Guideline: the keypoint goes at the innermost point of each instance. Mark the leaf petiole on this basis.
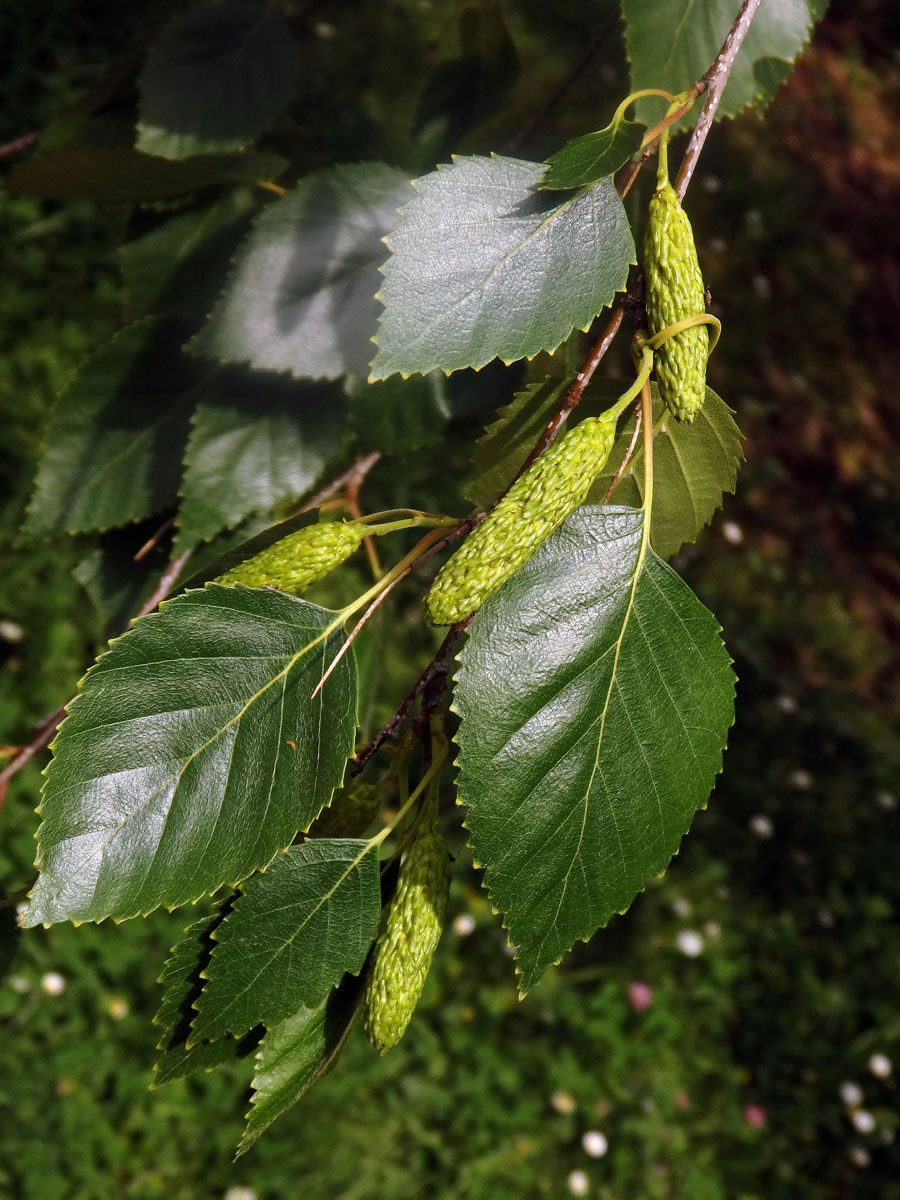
(671, 331)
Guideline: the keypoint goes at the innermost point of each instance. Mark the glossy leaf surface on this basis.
(595, 696)
(192, 754)
(296, 928)
(485, 265)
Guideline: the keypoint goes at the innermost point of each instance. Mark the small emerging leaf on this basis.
(593, 156)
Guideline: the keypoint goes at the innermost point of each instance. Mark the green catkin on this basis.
(300, 559)
(404, 950)
(351, 812)
(554, 485)
(675, 291)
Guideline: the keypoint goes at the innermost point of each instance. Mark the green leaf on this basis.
(180, 266)
(301, 295)
(397, 415)
(297, 927)
(297, 1052)
(257, 439)
(595, 697)
(485, 265)
(193, 754)
(217, 76)
(115, 584)
(117, 173)
(593, 156)
(692, 465)
(117, 433)
(672, 43)
(182, 980)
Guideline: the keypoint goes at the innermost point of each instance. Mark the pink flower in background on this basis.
(755, 1115)
(640, 996)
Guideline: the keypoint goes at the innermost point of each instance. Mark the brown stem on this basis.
(713, 83)
(623, 465)
(25, 142)
(356, 512)
(391, 731)
(153, 541)
(352, 477)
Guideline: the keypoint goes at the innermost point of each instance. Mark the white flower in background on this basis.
(860, 1156)
(19, 984)
(463, 925)
(690, 942)
(595, 1143)
(240, 1193)
(880, 1065)
(863, 1121)
(762, 826)
(11, 631)
(117, 1008)
(563, 1102)
(578, 1183)
(732, 532)
(681, 907)
(887, 801)
(851, 1093)
(800, 779)
(53, 983)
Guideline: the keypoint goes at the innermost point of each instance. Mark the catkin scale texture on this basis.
(411, 933)
(675, 291)
(299, 559)
(554, 485)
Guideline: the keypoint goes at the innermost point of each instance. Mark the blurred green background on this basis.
(737, 1034)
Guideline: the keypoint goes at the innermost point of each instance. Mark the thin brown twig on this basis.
(354, 475)
(154, 539)
(388, 588)
(713, 83)
(627, 459)
(352, 493)
(391, 731)
(25, 142)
